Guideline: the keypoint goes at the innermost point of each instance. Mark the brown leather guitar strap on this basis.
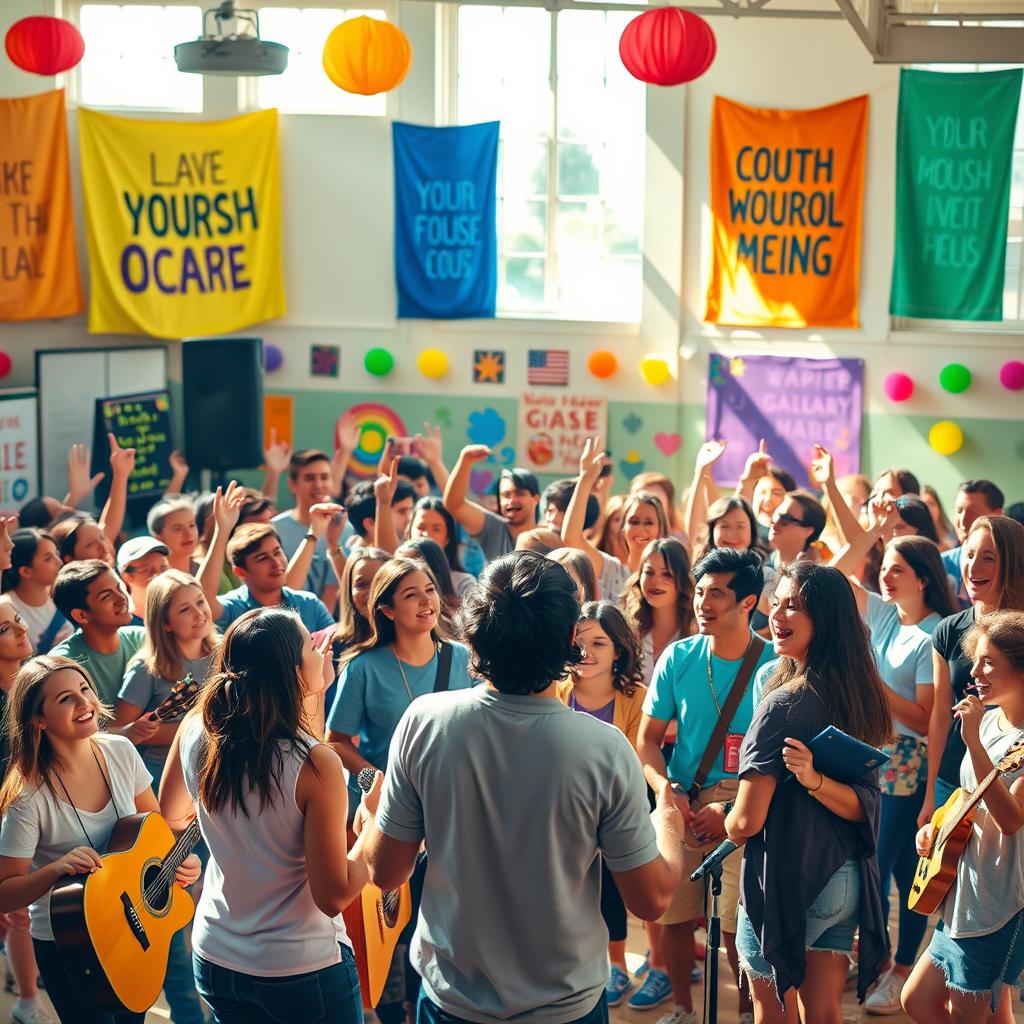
(732, 702)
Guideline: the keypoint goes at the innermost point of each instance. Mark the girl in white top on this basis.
(29, 583)
(66, 788)
(269, 941)
(976, 954)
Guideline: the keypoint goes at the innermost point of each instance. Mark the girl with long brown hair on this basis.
(66, 788)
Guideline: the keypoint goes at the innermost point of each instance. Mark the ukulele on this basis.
(113, 928)
(952, 825)
(182, 698)
(374, 921)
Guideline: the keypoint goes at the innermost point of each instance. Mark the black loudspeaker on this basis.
(223, 392)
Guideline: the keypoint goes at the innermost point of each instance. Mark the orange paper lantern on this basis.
(367, 56)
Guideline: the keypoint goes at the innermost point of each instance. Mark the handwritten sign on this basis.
(142, 422)
(19, 450)
(554, 427)
(278, 420)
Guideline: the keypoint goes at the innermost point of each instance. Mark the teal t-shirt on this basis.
(680, 691)
(107, 670)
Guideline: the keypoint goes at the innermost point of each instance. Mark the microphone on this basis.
(365, 778)
(713, 859)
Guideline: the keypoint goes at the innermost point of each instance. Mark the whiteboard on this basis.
(69, 382)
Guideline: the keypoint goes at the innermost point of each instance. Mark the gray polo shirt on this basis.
(516, 797)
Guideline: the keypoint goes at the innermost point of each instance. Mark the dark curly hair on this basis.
(518, 621)
(626, 674)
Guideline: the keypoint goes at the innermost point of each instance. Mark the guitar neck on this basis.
(183, 846)
(968, 805)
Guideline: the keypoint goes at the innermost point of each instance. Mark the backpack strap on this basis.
(444, 667)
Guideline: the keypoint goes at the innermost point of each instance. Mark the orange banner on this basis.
(38, 262)
(787, 190)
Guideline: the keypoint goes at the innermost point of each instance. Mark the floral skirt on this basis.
(907, 768)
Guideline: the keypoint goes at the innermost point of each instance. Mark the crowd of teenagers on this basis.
(569, 696)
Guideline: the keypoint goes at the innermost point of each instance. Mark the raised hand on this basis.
(227, 507)
(592, 458)
(475, 453)
(122, 460)
(80, 483)
(882, 513)
(320, 516)
(709, 453)
(277, 454)
(179, 466)
(758, 463)
(348, 433)
(386, 484)
(822, 470)
(428, 445)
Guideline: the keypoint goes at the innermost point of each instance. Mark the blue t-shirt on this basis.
(953, 561)
(235, 603)
(290, 532)
(680, 690)
(372, 698)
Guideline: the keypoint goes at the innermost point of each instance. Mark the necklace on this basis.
(67, 796)
(408, 688)
(711, 681)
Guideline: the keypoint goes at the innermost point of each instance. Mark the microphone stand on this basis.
(712, 947)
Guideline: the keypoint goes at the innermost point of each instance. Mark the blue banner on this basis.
(446, 238)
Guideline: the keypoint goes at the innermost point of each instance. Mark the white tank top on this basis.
(256, 914)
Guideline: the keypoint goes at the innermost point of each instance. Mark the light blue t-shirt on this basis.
(680, 690)
(903, 654)
(371, 699)
(291, 531)
(953, 561)
(235, 603)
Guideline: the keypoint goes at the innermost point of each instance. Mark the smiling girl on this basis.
(977, 950)
(29, 583)
(67, 786)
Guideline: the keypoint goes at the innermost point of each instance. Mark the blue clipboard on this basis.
(843, 758)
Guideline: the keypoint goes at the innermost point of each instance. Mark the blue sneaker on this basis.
(646, 964)
(696, 974)
(617, 985)
(655, 990)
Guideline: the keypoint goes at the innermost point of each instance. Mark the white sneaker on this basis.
(677, 1015)
(746, 1018)
(886, 997)
(30, 1011)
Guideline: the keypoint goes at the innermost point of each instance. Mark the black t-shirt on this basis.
(802, 844)
(946, 639)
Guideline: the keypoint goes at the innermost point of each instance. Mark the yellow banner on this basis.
(183, 221)
(787, 191)
(38, 262)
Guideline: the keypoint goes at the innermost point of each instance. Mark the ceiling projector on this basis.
(237, 52)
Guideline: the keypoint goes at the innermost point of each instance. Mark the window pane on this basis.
(578, 174)
(521, 286)
(524, 228)
(129, 57)
(305, 88)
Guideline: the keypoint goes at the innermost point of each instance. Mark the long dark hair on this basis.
(451, 549)
(922, 555)
(626, 674)
(840, 666)
(431, 554)
(352, 627)
(721, 508)
(639, 613)
(26, 544)
(251, 710)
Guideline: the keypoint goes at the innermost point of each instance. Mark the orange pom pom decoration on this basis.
(602, 363)
(367, 56)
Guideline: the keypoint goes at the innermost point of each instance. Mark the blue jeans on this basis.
(328, 996)
(61, 990)
(428, 1012)
(897, 857)
(943, 791)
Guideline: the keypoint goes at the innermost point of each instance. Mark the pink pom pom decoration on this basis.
(1011, 375)
(899, 386)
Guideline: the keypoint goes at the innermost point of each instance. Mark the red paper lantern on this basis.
(667, 46)
(44, 46)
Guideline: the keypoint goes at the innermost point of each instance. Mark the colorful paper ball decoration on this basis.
(44, 46)
(602, 363)
(667, 46)
(433, 363)
(379, 362)
(954, 378)
(273, 358)
(899, 386)
(1011, 375)
(946, 437)
(5, 364)
(367, 56)
(655, 370)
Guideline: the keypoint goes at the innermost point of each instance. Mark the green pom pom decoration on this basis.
(379, 361)
(955, 378)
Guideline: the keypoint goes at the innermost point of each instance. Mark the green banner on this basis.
(953, 162)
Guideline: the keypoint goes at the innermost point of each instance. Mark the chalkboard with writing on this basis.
(142, 422)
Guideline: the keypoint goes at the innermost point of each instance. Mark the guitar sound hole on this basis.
(157, 899)
(391, 903)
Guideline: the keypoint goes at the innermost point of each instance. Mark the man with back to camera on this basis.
(518, 795)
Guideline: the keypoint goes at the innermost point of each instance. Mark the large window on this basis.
(129, 57)
(305, 88)
(571, 169)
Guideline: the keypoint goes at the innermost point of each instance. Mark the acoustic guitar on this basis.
(374, 921)
(952, 825)
(183, 697)
(113, 928)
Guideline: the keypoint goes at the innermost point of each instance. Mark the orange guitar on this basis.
(113, 928)
(374, 920)
(952, 824)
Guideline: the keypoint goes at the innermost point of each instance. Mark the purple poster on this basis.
(792, 403)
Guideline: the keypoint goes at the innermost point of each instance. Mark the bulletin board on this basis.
(69, 382)
(19, 459)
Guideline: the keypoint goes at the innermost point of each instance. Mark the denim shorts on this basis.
(982, 964)
(831, 922)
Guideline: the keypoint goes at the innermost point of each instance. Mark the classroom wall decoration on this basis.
(786, 200)
(19, 449)
(446, 239)
(38, 261)
(377, 423)
(142, 422)
(43, 45)
(183, 222)
(954, 150)
(791, 403)
(324, 360)
(553, 427)
(367, 55)
(488, 366)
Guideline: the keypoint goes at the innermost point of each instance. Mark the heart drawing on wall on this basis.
(667, 444)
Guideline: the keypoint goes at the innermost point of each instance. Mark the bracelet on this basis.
(818, 786)
(310, 536)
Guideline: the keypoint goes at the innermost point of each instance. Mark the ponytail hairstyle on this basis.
(922, 555)
(626, 674)
(251, 707)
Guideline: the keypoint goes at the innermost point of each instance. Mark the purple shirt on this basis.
(605, 714)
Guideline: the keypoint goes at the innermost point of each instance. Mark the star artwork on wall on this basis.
(324, 360)
(488, 367)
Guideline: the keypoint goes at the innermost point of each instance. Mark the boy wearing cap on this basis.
(140, 560)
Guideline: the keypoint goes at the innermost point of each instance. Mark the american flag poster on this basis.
(553, 426)
(547, 366)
